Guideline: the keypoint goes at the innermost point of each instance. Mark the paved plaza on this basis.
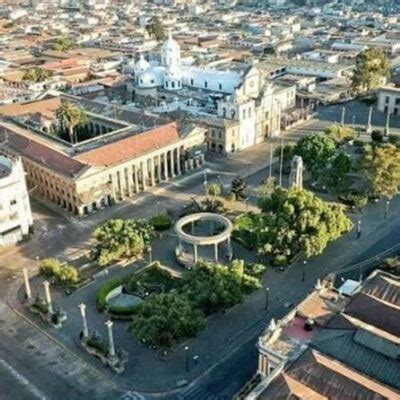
(227, 337)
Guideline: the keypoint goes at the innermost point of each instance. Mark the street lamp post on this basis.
(158, 208)
(343, 116)
(271, 153)
(358, 229)
(150, 250)
(281, 162)
(387, 205)
(303, 276)
(267, 299)
(187, 358)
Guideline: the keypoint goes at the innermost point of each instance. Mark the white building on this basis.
(242, 107)
(173, 75)
(389, 100)
(15, 210)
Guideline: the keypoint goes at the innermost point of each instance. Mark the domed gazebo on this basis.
(219, 228)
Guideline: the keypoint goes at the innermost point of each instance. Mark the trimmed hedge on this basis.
(104, 290)
(124, 311)
(161, 222)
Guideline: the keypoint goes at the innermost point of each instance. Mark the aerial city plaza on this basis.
(199, 199)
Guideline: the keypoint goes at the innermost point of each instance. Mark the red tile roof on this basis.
(131, 147)
(42, 154)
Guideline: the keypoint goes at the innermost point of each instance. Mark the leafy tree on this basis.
(62, 43)
(167, 318)
(119, 238)
(294, 220)
(71, 116)
(212, 287)
(341, 165)
(339, 133)
(381, 165)
(371, 66)
(287, 154)
(206, 205)
(36, 74)
(214, 190)
(238, 188)
(317, 150)
(63, 274)
(377, 136)
(155, 28)
(161, 222)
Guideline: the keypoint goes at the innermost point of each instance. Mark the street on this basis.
(34, 366)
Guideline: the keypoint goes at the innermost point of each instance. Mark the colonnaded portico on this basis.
(219, 227)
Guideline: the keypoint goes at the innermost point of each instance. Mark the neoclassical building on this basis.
(124, 152)
(239, 108)
(15, 210)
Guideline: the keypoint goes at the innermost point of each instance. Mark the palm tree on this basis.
(69, 115)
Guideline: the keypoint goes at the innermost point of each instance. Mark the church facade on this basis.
(239, 108)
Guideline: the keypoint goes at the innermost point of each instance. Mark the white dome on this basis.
(148, 80)
(142, 65)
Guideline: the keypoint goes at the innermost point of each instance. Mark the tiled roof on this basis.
(340, 344)
(43, 155)
(131, 147)
(316, 376)
(375, 312)
(43, 106)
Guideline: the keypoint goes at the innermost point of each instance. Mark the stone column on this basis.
(387, 126)
(128, 178)
(153, 171)
(159, 168)
(216, 252)
(122, 182)
(195, 253)
(172, 164)
(111, 349)
(85, 331)
(165, 166)
(143, 168)
(46, 285)
(136, 178)
(27, 284)
(178, 161)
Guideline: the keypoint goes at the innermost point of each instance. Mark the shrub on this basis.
(280, 260)
(255, 269)
(98, 344)
(377, 136)
(161, 222)
(102, 293)
(358, 143)
(124, 311)
(50, 267)
(230, 197)
(64, 275)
